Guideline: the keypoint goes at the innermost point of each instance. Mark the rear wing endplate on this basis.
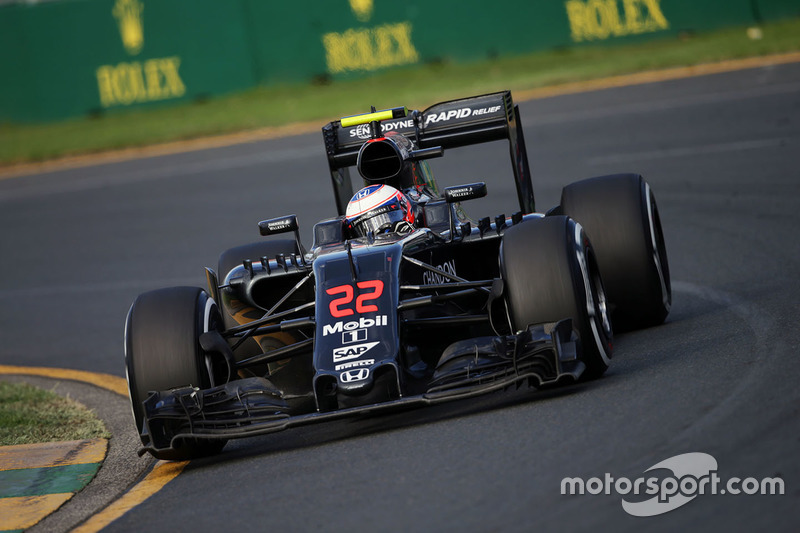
(451, 124)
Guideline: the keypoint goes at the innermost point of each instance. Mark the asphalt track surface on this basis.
(719, 377)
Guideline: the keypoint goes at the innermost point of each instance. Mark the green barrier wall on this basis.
(777, 9)
(74, 57)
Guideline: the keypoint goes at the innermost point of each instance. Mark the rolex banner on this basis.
(65, 58)
(75, 57)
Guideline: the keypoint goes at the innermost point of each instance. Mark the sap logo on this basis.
(433, 278)
(355, 364)
(352, 352)
(358, 335)
(354, 375)
(361, 323)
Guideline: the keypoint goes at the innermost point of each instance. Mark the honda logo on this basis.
(358, 374)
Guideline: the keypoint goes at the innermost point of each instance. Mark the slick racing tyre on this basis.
(550, 273)
(620, 215)
(162, 352)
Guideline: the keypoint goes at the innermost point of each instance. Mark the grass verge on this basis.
(415, 87)
(30, 415)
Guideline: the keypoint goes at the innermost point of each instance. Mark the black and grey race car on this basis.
(360, 322)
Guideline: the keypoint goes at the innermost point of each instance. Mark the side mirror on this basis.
(460, 193)
(274, 226)
(285, 224)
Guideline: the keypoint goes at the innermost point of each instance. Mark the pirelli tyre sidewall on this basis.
(162, 352)
(550, 273)
(620, 215)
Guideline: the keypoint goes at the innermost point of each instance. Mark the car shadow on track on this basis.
(360, 426)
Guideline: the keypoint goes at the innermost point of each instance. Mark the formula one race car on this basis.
(402, 300)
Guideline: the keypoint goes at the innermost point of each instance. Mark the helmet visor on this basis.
(381, 220)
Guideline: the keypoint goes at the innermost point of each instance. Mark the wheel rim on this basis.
(596, 302)
(209, 320)
(657, 243)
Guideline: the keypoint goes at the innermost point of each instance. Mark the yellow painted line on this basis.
(26, 511)
(160, 475)
(105, 381)
(48, 454)
(219, 141)
(163, 473)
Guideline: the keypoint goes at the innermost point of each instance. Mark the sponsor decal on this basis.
(361, 323)
(129, 18)
(355, 364)
(362, 9)
(362, 131)
(350, 376)
(464, 112)
(597, 20)
(349, 337)
(134, 82)
(368, 49)
(459, 193)
(434, 278)
(278, 225)
(366, 191)
(352, 352)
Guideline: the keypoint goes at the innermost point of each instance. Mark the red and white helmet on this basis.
(379, 209)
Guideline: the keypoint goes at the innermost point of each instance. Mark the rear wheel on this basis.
(620, 215)
(162, 352)
(550, 273)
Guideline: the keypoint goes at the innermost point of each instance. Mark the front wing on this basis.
(541, 356)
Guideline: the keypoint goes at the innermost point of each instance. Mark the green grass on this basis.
(29, 415)
(414, 87)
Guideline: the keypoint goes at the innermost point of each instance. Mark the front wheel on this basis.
(550, 273)
(162, 352)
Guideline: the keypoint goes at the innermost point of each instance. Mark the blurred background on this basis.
(89, 75)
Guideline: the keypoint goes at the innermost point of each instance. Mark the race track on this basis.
(720, 377)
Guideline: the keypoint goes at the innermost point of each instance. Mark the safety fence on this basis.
(74, 57)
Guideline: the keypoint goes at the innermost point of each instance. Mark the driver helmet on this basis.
(379, 209)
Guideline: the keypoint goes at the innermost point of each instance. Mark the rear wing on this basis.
(456, 123)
